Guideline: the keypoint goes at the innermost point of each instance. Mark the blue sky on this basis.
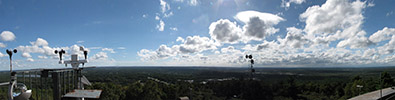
(279, 33)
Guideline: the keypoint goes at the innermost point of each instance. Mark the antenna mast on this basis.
(252, 70)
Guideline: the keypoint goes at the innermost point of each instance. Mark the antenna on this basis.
(249, 57)
(10, 52)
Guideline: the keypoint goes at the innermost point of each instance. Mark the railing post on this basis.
(56, 86)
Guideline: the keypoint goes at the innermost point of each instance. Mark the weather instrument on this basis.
(64, 83)
(16, 91)
(80, 92)
(74, 62)
(252, 70)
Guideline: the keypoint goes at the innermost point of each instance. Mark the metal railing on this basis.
(50, 84)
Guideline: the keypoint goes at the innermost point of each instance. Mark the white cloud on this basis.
(40, 46)
(80, 41)
(193, 2)
(381, 35)
(7, 36)
(167, 15)
(294, 38)
(388, 48)
(162, 52)
(287, 4)
(180, 39)
(99, 56)
(121, 48)
(93, 48)
(145, 54)
(145, 15)
(354, 42)
(174, 28)
(164, 6)
(190, 2)
(108, 49)
(225, 31)
(157, 18)
(2, 45)
(371, 4)
(42, 57)
(2, 55)
(26, 55)
(336, 20)
(192, 44)
(40, 42)
(160, 26)
(30, 59)
(258, 25)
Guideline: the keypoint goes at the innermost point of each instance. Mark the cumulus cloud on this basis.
(40, 42)
(225, 31)
(7, 36)
(30, 59)
(180, 39)
(287, 4)
(161, 26)
(388, 48)
(194, 44)
(294, 38)
(258, 25)
(99, 56)
(26, 55)
(336, 20)
(2, 45)
(40, 46)
(381, 35)
(191, 44)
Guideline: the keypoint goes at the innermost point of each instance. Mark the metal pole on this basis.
(30, 80)
(41, 86)
(10, 65)
(56, 86)
(381, 87)
(35, 81)
(23, 77)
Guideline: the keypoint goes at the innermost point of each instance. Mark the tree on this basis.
(386, 80)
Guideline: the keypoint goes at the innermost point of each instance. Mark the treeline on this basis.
(320, 84)
(288, 89)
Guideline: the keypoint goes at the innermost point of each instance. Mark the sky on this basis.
(278, 33)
